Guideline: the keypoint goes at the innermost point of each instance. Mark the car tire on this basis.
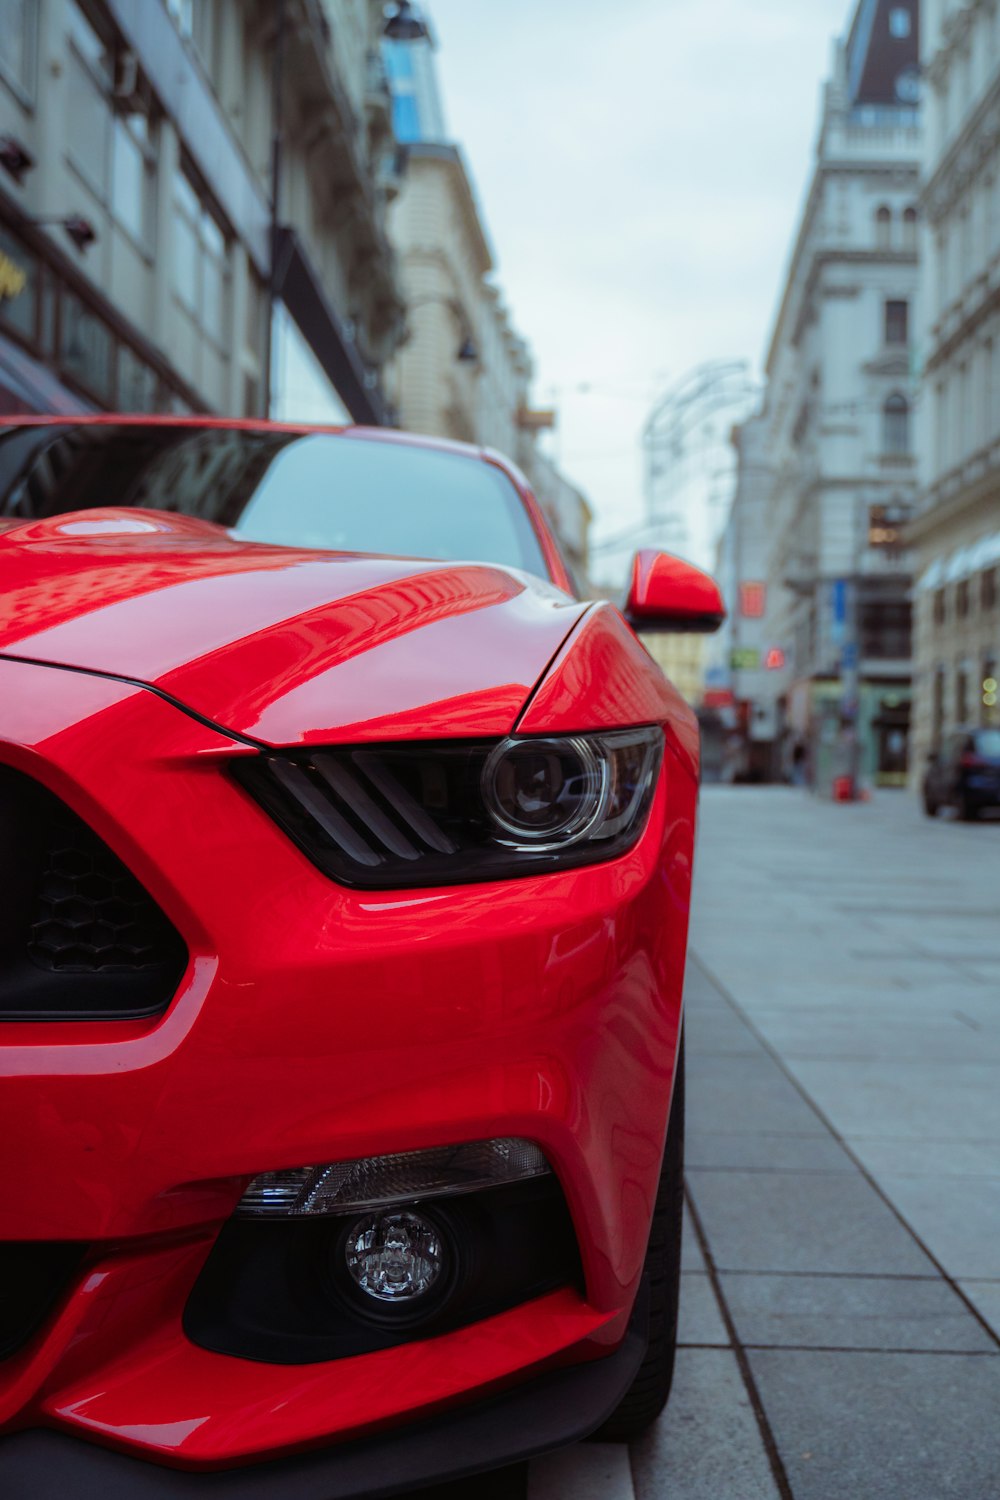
(647, 1396)
(968, 810)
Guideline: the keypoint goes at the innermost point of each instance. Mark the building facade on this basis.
(168, 168)
(956, 532)
(840, 474)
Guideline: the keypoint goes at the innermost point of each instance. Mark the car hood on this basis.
(284, 645)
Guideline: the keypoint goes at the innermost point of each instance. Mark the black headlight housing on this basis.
(381, 817)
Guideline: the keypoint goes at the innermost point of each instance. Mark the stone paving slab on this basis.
(764, 1152)
(957, 1218)
(590, 1471)
(985, 1297)
(707, 1446)
(746, 1094)
(700, 1320)
(883, 1426)
(931, 1099)
(797, 1221)
(844, 1312)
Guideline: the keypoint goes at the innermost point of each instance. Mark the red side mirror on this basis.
(667, 593)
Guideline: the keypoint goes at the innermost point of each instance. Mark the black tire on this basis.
(648, 1393)
(930, 806)
(968, 810)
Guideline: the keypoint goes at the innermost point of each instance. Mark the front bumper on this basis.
(549, 1412)
(316, 1024)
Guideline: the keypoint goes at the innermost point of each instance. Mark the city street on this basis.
(840, 1318)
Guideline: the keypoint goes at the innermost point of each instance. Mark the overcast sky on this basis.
(640, 166)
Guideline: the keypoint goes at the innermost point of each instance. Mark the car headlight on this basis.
(418, 814)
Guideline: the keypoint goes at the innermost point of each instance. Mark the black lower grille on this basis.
(32, 1276)
(80, 938)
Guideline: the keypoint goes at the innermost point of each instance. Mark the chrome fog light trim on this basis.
(403, 1177)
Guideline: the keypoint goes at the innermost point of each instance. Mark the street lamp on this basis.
(404, 23)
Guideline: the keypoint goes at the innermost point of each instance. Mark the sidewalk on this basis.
(840, 1307)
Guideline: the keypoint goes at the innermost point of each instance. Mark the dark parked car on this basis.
(964, 773)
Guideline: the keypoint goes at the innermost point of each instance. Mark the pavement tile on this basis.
(796, 1221)
(718, 1030)
(587, 1471)
(700, 1320)
(985, 1297)
(957, 1218)
(883, 1426)
(928, 1158)
(932, 1100)
(893, 1037)
(746, 1094)
(691, 1256)
(769, 1153)
(707, 1445)
(846, 1312)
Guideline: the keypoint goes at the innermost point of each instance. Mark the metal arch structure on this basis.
(686, 439)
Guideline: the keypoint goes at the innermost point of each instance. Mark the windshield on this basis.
(322, 490)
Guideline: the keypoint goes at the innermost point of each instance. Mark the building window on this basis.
(909, 229)
(962, 599)
(897, 322)
(896, 426)
(937, 708)
(988, 589)
(883, 227)
(940, 607)
(113, 142)
(900, 22)
(86, 348)
(201, 260)
(962, 694)
(18, 44)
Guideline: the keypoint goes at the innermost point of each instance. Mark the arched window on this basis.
(909, 228)
(883, 226)
(896, 425)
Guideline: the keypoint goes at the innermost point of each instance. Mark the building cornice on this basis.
(962, 161)
(833, 257)
(815, 260)
(453, 161)
(957, 491)
(963, 331)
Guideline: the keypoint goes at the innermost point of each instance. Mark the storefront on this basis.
(63, 347)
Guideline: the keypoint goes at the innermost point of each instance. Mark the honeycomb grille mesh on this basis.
(80, 937)
(92, 914)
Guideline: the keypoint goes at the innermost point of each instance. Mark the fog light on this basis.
(395, 1257)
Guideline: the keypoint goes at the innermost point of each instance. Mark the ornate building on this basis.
(956, 534)
(838, 430)
(167, 168)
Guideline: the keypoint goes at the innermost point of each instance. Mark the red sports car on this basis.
(346, 860)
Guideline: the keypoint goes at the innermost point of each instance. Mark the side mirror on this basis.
(667, 593)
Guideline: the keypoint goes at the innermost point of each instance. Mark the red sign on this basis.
(753, 600)
(775, 659)
(718, 698)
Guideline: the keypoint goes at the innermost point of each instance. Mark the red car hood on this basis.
(285, 645)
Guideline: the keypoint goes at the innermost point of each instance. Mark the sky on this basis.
(640, 167)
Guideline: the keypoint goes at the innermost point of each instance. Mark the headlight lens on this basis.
(393, 816)
(544, 793)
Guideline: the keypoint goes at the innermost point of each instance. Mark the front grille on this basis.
(32, 1275)
(80, 938)
(91, 913)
